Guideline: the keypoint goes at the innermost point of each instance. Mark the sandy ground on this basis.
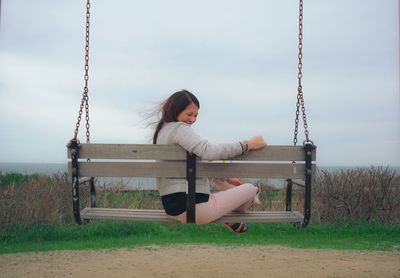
(201, 261)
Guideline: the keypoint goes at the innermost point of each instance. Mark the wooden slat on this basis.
(178, 169)
(160, 216)
(125, 214)
(263, 217)
(132, 169)
(277, 153)
(251, 170)
(131, 151)
(175, 152)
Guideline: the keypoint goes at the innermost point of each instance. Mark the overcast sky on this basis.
(238, 57)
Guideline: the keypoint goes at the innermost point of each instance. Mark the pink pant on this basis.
(238, 198)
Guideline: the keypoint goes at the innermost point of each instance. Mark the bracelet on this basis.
(245, 147)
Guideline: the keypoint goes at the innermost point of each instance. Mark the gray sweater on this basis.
(183, 135)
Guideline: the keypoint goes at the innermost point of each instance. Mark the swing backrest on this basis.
(145, 160)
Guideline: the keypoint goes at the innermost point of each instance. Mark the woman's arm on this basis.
(192, 142)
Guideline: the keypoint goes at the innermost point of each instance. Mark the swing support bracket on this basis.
(74, 147)
(191, 191)
(308, 147)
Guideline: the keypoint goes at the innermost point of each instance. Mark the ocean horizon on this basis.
(133, 183)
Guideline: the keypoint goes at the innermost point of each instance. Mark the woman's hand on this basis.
(256, 142)
(221, 184)
(235, 181)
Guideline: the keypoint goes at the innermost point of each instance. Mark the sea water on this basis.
(61, 168)
(128, 183)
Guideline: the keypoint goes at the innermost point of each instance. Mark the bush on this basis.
(43, 199)
(363, 194)
(35, 199)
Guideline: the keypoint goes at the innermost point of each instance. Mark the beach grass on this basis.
(9, 179)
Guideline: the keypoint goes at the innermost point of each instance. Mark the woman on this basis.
(178, 113)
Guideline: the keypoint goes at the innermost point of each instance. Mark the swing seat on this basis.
(160, 216)
(170, 161)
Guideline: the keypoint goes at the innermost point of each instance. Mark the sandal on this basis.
(238, 227)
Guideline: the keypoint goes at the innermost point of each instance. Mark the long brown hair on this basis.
(172, 107)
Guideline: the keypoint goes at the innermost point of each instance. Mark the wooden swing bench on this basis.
(87, 161)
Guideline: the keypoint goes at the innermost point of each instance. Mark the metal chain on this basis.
(300, 98)
(85, 95)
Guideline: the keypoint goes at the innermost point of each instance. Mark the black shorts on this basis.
(175, 203)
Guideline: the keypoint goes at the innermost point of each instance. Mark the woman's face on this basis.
(189, 115)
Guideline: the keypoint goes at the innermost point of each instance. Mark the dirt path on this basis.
(201, 261)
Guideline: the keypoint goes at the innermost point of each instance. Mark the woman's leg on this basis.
(225, 185)
(221, 203)
(245, 206)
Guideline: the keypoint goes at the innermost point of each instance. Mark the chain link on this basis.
(85, 95)
(300, 97)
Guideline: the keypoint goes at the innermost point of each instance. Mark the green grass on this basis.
(116, 234)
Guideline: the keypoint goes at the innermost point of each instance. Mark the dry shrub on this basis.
(48, 199)
(41, 199)
(365, 194)
(273, 198)
(119, 196)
